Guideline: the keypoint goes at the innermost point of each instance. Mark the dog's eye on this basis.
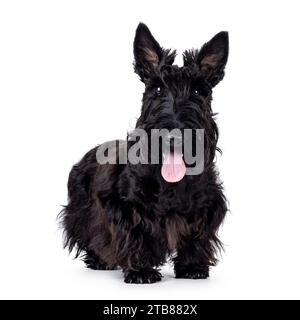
(195, 92)
(158, 90)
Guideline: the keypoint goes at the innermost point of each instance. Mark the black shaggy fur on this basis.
(128, 216)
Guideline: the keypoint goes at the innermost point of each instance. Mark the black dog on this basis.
(132, 215)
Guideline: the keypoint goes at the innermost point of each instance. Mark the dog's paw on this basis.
(192, 273)
(95, 265)
(142, 276)
(93, 262)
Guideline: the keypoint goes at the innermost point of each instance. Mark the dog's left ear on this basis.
(148, 54)
(213, 56)
(211, 59)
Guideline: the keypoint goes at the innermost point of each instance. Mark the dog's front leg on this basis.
(143, 258)
(193, 258)
(196, 251)
(139, 251)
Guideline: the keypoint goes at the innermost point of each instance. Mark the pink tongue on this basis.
(173, 167)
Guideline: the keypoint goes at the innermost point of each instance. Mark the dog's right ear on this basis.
(148, 54)
(147, 51)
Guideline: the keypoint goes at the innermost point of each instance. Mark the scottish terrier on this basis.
(138, 215)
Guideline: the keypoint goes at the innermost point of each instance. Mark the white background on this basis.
(67, 84)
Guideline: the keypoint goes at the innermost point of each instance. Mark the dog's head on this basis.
(179, 97)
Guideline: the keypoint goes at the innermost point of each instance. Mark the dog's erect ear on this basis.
(211, 59)
(213, 56)
(148, 54)
(147, 51)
